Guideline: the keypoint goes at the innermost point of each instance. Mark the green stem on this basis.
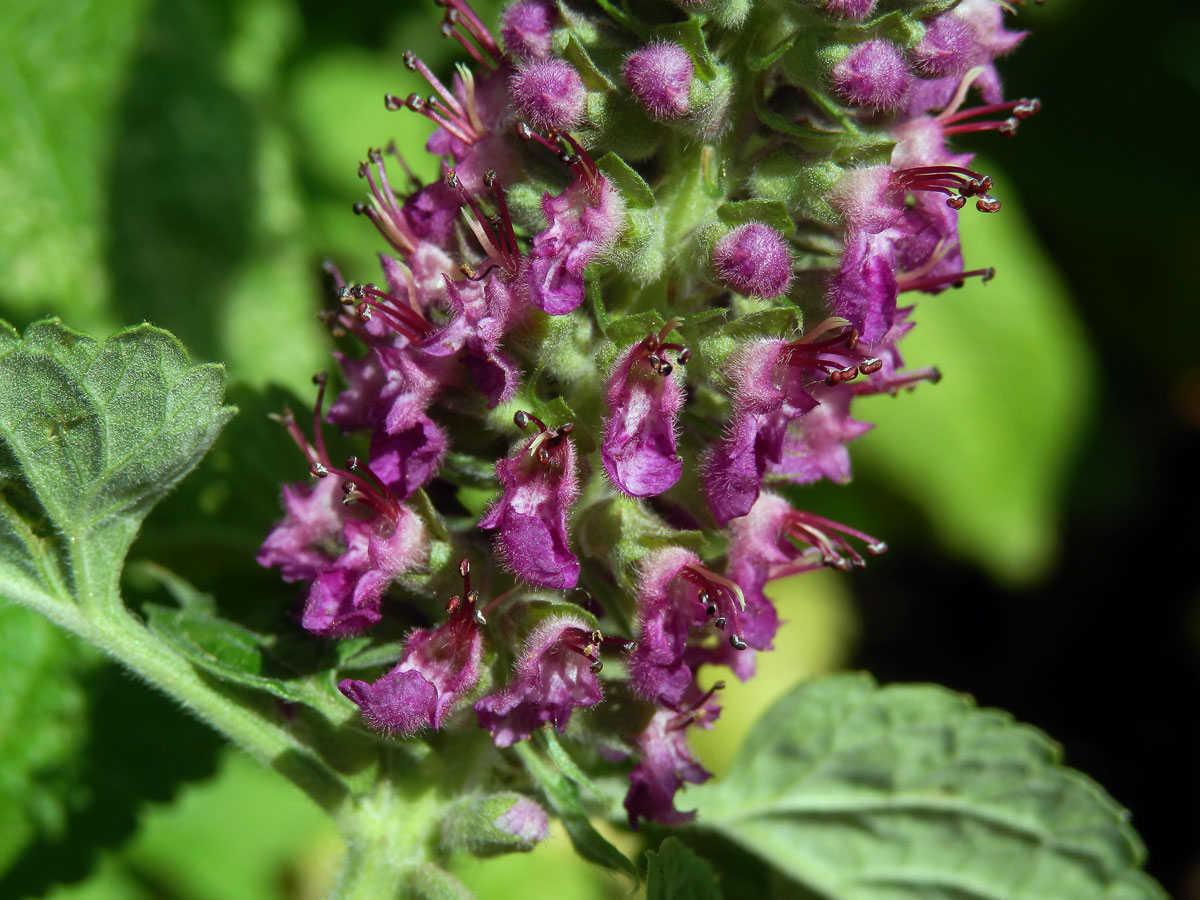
(390, 836)
(127, 641)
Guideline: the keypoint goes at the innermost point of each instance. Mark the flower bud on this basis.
(527, 28)
(873, 75)
(660, 77)
(549, 93)
(753, 259)
(492, 824)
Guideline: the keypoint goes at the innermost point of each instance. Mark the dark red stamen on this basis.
(893, 384)
(653, 351)
(694, 711)
(462, 23)
(368, 490)
(495, 233)
(827, 537)
(400, 317)
(543, 444)
(722, 600)
(806, 353)
(938, 282)
(383, 209)
(956, 182)
(955, 123)
(465, 608)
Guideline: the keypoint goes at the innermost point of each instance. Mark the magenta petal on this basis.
(408, 459)
(552, 678)
(638, 448)
(530, 516)
(398, 703)
(536, 550)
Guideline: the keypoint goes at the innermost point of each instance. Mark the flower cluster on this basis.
(607, 312)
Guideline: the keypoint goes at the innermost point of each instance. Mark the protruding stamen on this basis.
(464, 607)
(494, 233)
(1019, 110)
(828, 538)
(956, 182)
(938, 282)
(462, 24)
(823, 355)
(695, 711)
(544, 444)
(403, 318)
(442, 108)
(722, 599)
(653, 351)
(382, 208)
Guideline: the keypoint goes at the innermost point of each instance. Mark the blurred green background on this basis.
(192, 163)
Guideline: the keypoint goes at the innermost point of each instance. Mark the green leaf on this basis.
(232, 653)
(910, 791)
(690, 35)
(62, 76)
(985, 452)
(628, 181)
(43, 728)
(772, 212)
(677, 873)
(562, 794)
(92, 436)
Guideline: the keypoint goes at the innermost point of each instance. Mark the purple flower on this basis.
(766, 397)
(527, 28)
(555, 673)
(585, 220)
(815, 445)
(548, 93)
(891, 245)
(676, 595)
(345, 597)
(666, 763)
(753, 259)
(643, 400)
(312, 522)
(538, 485)
(873, 75)
(774, 386)
(659, 75)
(388, 392)
(438, 666)
(349, 556)
(961, 44)
(482, 314)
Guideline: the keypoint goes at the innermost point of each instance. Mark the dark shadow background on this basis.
(1105, 654)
